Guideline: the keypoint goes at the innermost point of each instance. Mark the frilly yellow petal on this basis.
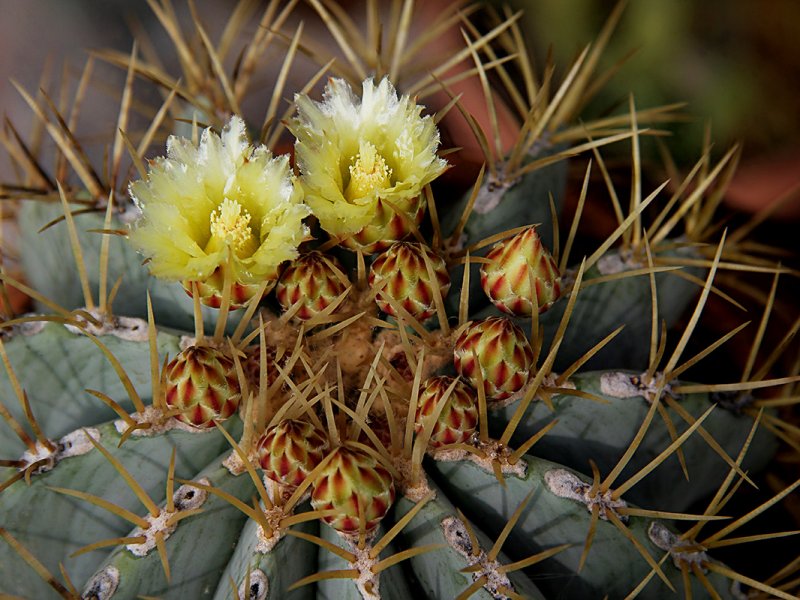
(180, 229)
(332, 133)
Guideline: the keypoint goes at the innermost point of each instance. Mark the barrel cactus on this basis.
(332, 375)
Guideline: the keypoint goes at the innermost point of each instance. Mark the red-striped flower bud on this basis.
(289, 451)
(522, 275)
(201, 382)
(458, 419)
(503, 354)
(311, 281)
(403, 273)
(357, 486)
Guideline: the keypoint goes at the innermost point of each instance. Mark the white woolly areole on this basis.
(566, 484)
(130, 213)
(31, 328)
(683, 552)
(103, 585)
(493, 451)
(125, 328)
(624, 385)
(256, 588)
(26, 329)
(158, 423)
(490, 194)
(367, 582)
(75, 443)
(279, 496)
(448, 455)
(266, 542)
(737, 591)
(618, 385)
(234, 463)
(457, 536)
(649, 386)
(618, 262)
(417, 490)
(459, 244)
(185, 498)
(42, 454)
(275, 515)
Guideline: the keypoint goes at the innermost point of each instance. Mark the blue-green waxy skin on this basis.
(394, 584)
(613, 568)
(198, 549)
(52, 525)
(440, 572)
(55, 368)
(289, 561)
(587, 430)
(602, 308)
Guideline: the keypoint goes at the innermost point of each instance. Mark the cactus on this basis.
(337, 378)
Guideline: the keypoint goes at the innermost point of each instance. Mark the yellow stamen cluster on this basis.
(369, 174)
(230, 225)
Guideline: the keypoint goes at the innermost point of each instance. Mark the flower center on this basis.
(368, 174)
(230, 225)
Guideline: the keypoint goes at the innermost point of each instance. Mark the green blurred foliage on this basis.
(736, 63)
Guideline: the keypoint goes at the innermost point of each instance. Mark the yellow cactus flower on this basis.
(221, 202)
(360, 159)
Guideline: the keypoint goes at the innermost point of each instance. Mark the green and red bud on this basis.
(521, 275)
(403, 274)
(500, 350)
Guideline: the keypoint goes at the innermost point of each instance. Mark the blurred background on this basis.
(736, 64)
